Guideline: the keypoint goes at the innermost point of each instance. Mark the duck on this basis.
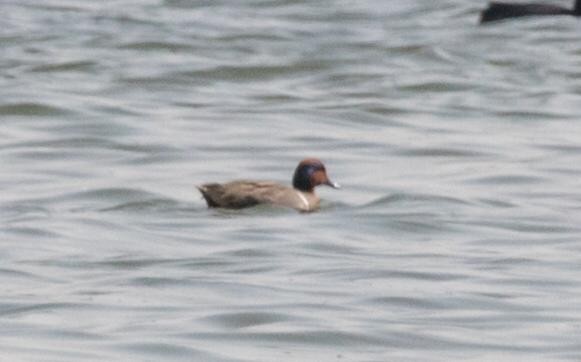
(501, 11)
(240, 194)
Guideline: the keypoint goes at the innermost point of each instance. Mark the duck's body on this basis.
(500, 11)
(243, 193)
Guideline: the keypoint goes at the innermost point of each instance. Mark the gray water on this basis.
(456, 236)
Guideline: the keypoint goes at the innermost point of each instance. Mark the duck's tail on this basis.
(209, 192)
(499, 11)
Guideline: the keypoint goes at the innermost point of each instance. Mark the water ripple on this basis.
(455, 236)
(32, 109)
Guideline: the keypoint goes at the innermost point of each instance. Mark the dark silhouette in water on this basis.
(500, 11)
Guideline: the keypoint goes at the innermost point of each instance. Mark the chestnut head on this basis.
(311, 173)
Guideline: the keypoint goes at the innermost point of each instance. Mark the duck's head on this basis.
(310, 173)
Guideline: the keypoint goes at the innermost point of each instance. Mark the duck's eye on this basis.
(312, 169)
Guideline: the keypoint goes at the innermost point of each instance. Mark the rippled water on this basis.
(456, 235)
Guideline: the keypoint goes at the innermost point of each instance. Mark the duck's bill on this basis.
(333, 184)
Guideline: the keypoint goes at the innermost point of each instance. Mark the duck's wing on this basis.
(241, 194)
(500, 11)
(266, 192)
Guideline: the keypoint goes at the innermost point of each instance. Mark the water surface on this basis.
(455, 236)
